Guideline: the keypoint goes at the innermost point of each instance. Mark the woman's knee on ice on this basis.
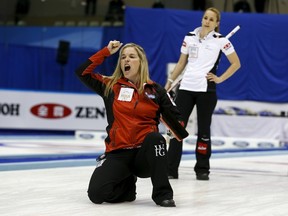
(95, 198)
(99, 194)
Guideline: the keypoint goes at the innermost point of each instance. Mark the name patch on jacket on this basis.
(125, 94)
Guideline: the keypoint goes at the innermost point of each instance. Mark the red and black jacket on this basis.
(128, 122)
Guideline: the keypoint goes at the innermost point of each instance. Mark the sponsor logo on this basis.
(9, 109)
(184, 44)
(190, 141)
(218, 142)
(265, 145)
(241, 144)
(86, 136)
(202, 148)
(151, 96)
(50, 111)
(227, 46)
(90, 112)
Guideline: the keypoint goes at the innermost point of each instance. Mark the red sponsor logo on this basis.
(184, 44)
(202, 148)
(50, 111)
(227, 46)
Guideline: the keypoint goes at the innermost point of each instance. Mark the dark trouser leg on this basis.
(113, 181)
(174, 157)
(151, 160)
(185, 103)
(206, 103)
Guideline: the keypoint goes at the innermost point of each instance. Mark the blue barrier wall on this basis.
(28, 54)
(262, 45)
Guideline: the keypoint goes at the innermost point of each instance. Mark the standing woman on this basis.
(200, 54)
(134, 146)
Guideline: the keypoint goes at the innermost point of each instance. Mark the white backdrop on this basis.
(50, 110)
(66, 111)
(247, 119)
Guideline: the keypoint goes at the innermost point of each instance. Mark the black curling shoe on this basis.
(202, 176)
(168, 203)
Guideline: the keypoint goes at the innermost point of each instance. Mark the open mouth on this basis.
(127, 67)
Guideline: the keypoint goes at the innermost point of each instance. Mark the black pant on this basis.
(205, 103)
(114, 181)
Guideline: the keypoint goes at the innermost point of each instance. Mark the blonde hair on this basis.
(143, 69)
(218, 16)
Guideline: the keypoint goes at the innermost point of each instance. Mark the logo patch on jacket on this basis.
(151, 96)
(150, 93)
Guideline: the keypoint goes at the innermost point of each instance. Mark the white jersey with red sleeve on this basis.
(203, 57)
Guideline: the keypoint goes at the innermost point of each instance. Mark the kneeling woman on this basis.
(134, 146)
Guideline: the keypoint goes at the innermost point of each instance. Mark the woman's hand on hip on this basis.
(213, 78)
